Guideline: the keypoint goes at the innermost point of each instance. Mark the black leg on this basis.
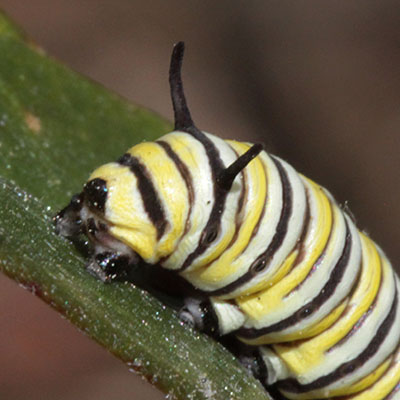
(108, 266)
(201, 315)
(68, 221)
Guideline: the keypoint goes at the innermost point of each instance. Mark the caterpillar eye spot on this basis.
(305, 312)
(311, 301)
(211, 236)
(259, 266)
(347, 369)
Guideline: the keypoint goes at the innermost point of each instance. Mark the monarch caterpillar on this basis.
(273, 259)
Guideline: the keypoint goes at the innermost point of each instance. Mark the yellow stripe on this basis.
(183, 145)
(349, 390)
(171, 189)
(226, 265)
(383, 386)
(283, 270)
(319, 326)
(139, 241)
(311, 353)
(278, 337)
(128, 221)
(365, 382)
(260, 304)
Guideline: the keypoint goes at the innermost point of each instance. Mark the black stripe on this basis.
(363, 317)
(291, 385)
(263, 259)
(212, 228)
(151, 200)
(184, 123)
(303, 251)
(262, 213)
(183, 170)
(187, 177)
(281, 229)
(312, 306)
(212, 153)
(396, 386)
(239, 209)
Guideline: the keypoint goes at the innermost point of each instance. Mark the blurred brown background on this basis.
(318, 82)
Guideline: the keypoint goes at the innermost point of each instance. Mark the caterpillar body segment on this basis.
(271, 256)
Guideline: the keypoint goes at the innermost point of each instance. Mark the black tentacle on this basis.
(227, 176)
(183, 119)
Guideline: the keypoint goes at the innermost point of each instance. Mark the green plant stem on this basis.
(55, 127)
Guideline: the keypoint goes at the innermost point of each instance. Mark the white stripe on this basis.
(265, 234)
(203, 198)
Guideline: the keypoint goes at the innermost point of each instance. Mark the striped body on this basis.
(273, 258)
(286, 269)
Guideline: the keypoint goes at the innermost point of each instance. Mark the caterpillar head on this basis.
(125, 207)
